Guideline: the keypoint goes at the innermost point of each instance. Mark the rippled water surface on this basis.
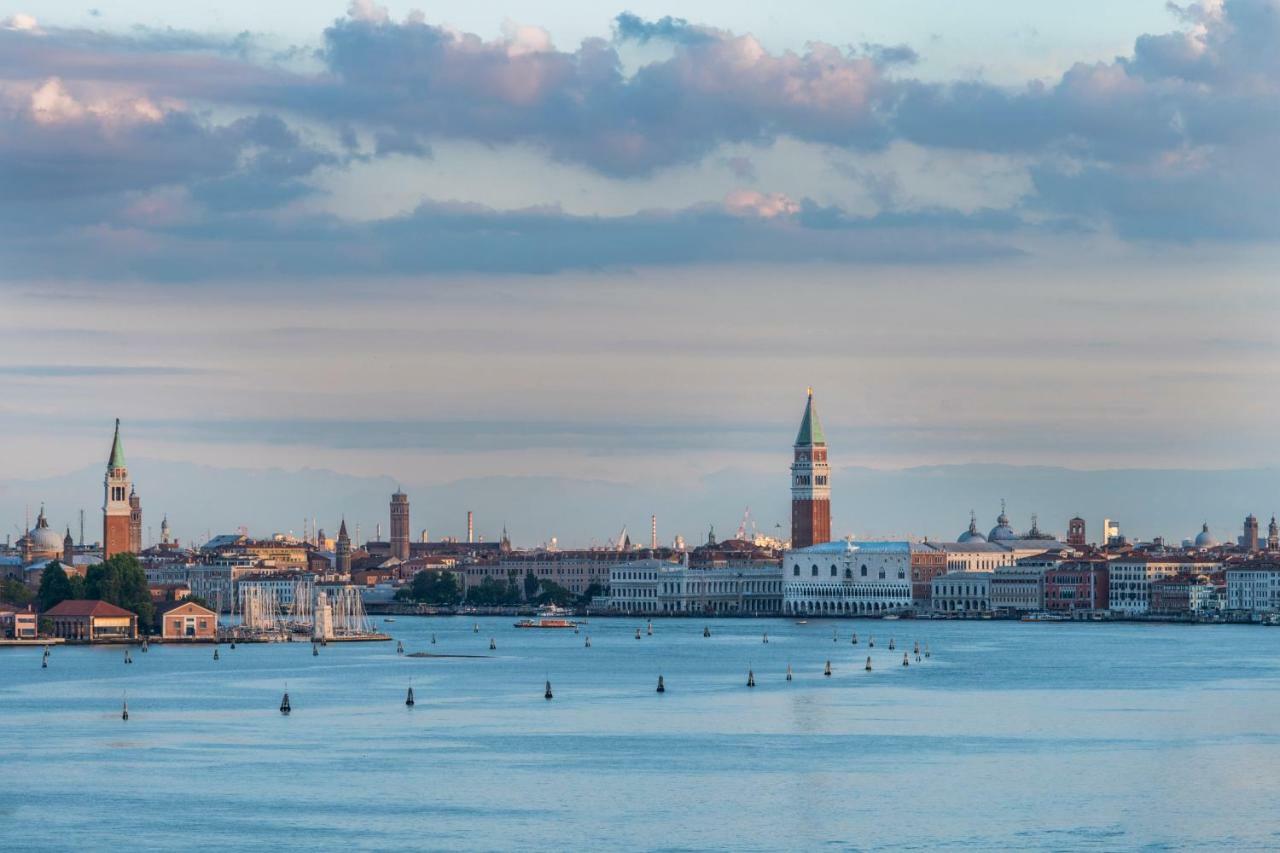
(1011, 735)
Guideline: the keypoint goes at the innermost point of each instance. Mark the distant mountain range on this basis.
(913, 502)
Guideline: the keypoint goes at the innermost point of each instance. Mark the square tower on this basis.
(116, 511)
(810, 483)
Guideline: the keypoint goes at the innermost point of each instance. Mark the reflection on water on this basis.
(1012, 735)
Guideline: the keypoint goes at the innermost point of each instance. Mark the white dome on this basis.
(1204, 539)
(42, 538)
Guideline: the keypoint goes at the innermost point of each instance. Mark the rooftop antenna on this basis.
(82, 528)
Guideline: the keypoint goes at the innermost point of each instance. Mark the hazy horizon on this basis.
(614, 244)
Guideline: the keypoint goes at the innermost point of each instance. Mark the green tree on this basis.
(487, 593)
(554, 593)
(54, 586)
(432, 587)
(593, 589)
(15, 592)
(122, 582)
(531, 585)
(494, 593)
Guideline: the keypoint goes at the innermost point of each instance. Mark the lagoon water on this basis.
(1012, 735)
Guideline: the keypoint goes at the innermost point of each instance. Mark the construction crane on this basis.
(747, 520)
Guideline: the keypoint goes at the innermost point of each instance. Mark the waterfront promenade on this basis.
(1011, 735)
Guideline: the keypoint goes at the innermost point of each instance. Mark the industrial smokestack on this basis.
(653, 532)
(471, 530)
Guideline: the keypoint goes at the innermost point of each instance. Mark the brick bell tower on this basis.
(116, 510)
(810, 483)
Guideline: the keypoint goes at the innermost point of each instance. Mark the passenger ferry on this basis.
(1042, 616)
(544, 622)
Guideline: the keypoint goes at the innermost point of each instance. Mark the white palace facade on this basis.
(847, 578)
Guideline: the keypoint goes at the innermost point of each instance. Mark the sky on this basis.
(600, 244)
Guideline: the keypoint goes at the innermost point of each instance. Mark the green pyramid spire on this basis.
(810, 426)
(117, 450)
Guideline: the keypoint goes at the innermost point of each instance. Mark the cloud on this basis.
(758, 204)
(629, 27)
(21, 21)
(166, 149)
(466, 238)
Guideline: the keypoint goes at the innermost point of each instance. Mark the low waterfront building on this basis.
(976, 556)
(633, 586)
(1254, 587)
(657, 586)
(1077, 586)
(575, 570)
(284, 588)
(963, 593)
(18, 624)
(186, 620)
(928, 561)
(1017, 589)
(1186, 595)
(91, 621)
(847, 578)
(1131, 577)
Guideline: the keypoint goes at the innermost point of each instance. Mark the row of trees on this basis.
(444, 588)
(119, 580)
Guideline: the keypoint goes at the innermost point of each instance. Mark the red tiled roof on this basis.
(85, 607)
(178, 605)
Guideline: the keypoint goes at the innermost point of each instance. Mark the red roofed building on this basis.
(186, 620)
(90, 621)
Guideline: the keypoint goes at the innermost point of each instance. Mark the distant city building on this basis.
(962, 593)
(810, 482)
(575, 570)
(41, 543)
(1077, 587)
(927, 562)
(135, 522)
(186, 620)
(1131, 577)
(1187, 595)
(89, 621)
(117, 511)
(1249, 538)
(1204, 539)
(1111, 532)
(662, 587)
(1017, 589)
(1002, 530)
(972, 535)
(18, 624)
(1076, 533)
(400, 525)
(342, 551)
(1254, 587)
(976, 555)
(1273, 535)
(847, 578)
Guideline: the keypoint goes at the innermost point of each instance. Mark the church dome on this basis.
(1002, 530)
(1204, 539)
(42, 538)
(972, 534)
